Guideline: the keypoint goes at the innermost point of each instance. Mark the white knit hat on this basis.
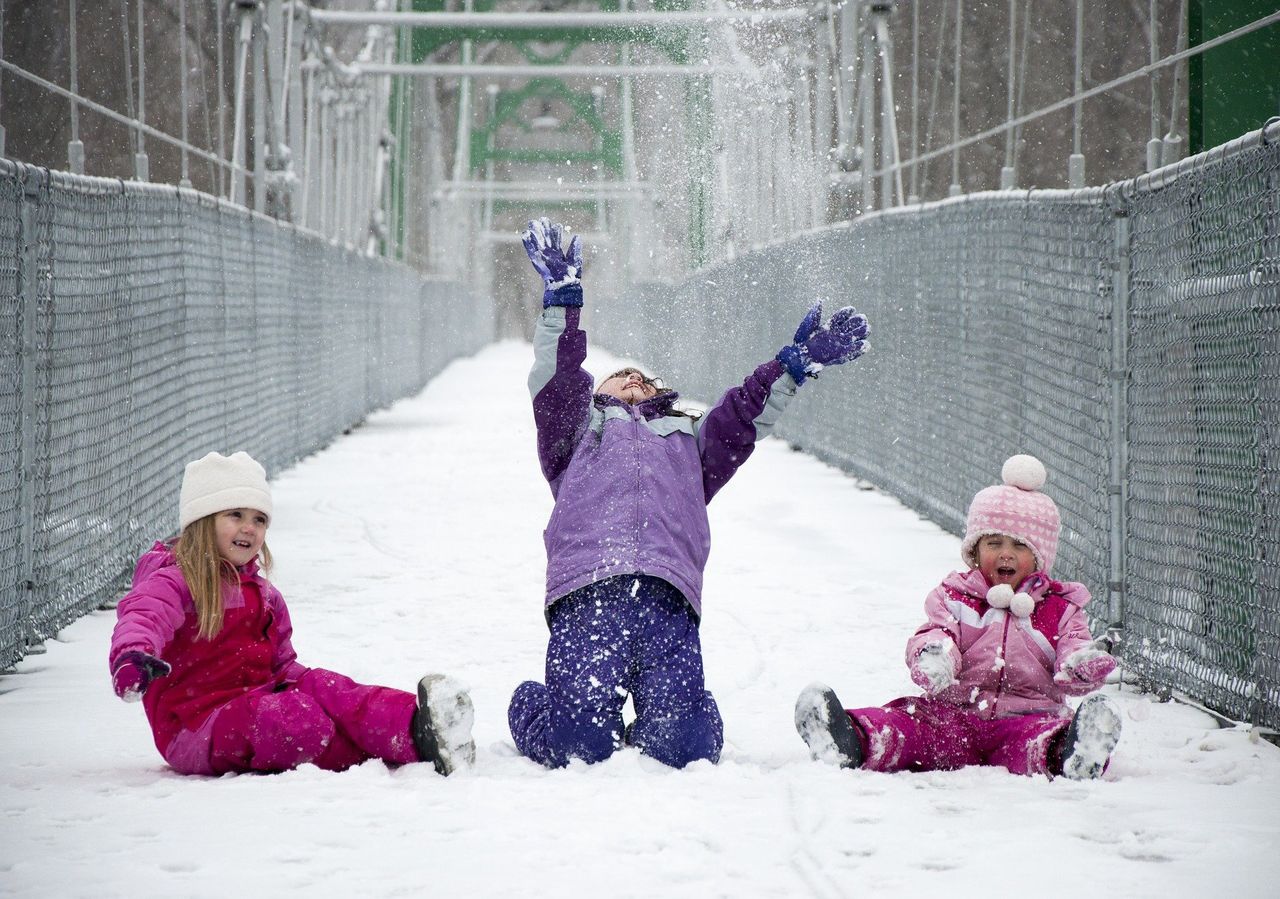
(1016, 508)
(216, 483)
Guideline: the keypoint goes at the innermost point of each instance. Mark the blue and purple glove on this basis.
(133, 673)
(561, 271)
(815, 347)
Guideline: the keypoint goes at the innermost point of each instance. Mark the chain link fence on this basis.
(1129, 336)
(142, 326)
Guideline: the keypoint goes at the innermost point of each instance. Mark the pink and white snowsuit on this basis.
(241, 701)
(1005, 707)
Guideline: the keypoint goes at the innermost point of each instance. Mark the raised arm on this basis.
(728, 433)
(558, 384)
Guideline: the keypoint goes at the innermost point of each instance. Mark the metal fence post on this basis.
(1117, 485)
(29, 294)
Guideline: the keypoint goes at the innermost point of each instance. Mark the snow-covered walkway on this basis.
(414, 545)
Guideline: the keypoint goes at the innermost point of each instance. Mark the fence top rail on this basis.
(1115, 195)
(95, 185)
(1266, 136)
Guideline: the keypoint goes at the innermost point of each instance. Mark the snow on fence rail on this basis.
(1127, 335)
(142, 326)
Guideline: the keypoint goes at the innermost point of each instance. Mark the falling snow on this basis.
(415, 544)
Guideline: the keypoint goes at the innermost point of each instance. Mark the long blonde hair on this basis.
(208, 575)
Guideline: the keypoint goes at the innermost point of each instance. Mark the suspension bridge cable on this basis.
(1022, 81)
(1097, 89)
(128, 73)
(132, 124)
(934, 90)
(955, 101)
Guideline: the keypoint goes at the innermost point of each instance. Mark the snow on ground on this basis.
(414, 545)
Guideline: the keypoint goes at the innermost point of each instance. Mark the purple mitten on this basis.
(842, 340)
(1085, 666)
(561, 270)
(133, 673)
(815, 347)
(934, 669)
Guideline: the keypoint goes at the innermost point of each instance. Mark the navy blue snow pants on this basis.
(627, 635)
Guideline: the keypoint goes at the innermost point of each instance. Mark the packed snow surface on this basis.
(414, 545)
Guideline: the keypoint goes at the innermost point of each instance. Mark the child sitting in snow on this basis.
(628, 536)
(204, 640)
(1003, 646)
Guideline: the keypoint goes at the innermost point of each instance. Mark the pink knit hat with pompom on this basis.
(1015, 508)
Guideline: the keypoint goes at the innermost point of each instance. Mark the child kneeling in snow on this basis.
(204, 640)
(628, 537)
(995, 664)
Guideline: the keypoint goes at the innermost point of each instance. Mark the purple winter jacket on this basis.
(631, 483)
(1006, 664)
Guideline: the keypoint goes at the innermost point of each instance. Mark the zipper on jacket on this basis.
(637, 422)
(1004, 663)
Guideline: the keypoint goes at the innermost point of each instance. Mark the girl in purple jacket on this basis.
(1003, 647)
(204, 640)
(628, 537)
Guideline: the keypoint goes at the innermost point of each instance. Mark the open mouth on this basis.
(1007, 572)
(243, 544)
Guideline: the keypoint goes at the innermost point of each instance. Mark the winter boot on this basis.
(442, 724)
(826, 727)
(1089, 739)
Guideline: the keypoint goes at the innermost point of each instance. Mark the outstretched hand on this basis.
(134, 672)
(560, 267)
(815, 347)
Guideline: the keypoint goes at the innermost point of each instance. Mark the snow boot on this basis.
(442, 724)
(1089, 739)
(826, 727)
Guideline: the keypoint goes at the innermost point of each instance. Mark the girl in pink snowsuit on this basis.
(1004, 645)
(204, 640)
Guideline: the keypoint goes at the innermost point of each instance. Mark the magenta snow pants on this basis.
(324, 718)
(917, 733)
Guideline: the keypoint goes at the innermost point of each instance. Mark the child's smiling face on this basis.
(240, 534)
(629, 385)
(1004, 560)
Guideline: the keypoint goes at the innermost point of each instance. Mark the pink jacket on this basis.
(1005, 664)
(253, 650)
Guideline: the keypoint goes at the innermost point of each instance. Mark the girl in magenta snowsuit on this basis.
(1003, 647)
(205, 641)
(628, 537)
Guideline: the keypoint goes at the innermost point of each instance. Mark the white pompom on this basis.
(1023, 471)
(1022, 605)
(999, 596)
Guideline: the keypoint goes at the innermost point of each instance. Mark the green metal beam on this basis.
(511, 106)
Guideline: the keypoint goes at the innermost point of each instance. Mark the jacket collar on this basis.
(972, 583)
(654, 407)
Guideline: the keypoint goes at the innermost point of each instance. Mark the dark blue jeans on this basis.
(627, 635)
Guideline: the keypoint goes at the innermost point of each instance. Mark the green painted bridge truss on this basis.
(509, 121)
